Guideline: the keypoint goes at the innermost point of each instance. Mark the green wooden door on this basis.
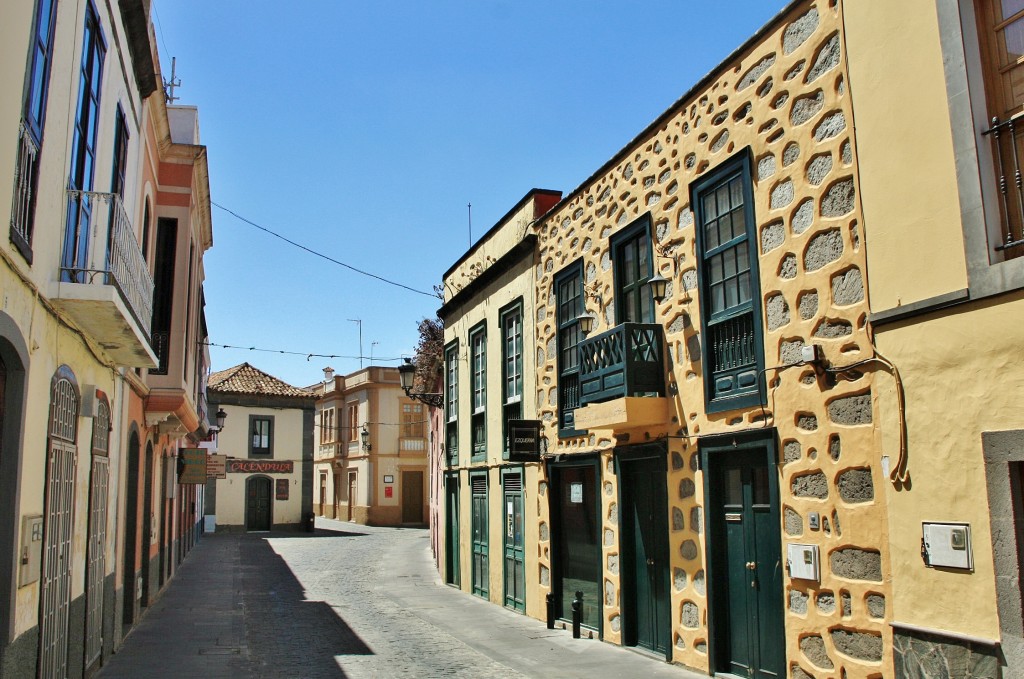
(515, 569)
(451, 535)
(747, 566)
(576, 518)
(478, 524)
(258, 504)
(645, 554)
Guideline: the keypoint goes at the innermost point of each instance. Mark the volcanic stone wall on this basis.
(785, 100)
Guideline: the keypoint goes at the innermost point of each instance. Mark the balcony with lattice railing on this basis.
(106, 286)
(622, 377)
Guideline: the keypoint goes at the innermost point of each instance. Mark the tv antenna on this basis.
(169, 85)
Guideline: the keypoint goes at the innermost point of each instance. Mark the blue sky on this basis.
(363, 129)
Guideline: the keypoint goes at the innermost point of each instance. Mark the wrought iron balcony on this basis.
(627, 360)
(105, 285)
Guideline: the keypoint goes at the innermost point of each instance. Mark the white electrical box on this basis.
(31, 549)
(803, 562)
(947, 545)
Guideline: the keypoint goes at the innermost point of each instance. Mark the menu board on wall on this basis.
(282, 489)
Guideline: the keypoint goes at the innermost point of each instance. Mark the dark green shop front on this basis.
(576, 533)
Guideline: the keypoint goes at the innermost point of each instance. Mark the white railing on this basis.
(115, 257)
(24, 184)
(412, 444)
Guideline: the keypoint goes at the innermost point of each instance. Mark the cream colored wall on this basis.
(956, 388)
(51, 341)
(956, 366)
(287, 446)
(511, 285)
(907, 172)
(15, 29)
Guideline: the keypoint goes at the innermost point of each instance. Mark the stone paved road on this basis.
(347, 601)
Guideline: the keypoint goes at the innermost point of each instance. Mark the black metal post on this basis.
(550, 601)
(577, 614)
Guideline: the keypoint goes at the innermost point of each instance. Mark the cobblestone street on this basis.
(346, 601)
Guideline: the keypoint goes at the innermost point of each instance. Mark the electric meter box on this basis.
(803, 562)
(31, 552)
(947, 545)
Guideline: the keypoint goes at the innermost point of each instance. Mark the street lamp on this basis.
(407, 374)
(365, 436)
(659, 286)
(219, 417)
(586, 322)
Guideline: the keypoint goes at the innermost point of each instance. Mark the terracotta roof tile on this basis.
(245, 379)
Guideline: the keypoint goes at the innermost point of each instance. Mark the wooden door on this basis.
(478, 527)
(412, 497)
(451, 531)
(323, 494)
(351, 493)
(576, 519)
(257, 511)
(645, 554)
(515, 569)
(746, 561)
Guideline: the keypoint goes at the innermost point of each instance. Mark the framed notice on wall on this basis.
(282, 489)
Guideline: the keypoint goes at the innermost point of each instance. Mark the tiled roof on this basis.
(245, 379)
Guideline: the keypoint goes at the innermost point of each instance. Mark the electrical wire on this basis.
(320, 254)
(308, 355)
(898, 474)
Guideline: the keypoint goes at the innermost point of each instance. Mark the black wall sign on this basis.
(524, 440)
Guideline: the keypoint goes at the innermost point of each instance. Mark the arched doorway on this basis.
(258, 514)
(96, 564)
(58, 525)
(147, 523)
(131, 527)
(13, 362)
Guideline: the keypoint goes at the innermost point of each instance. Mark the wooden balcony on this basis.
(627, 360)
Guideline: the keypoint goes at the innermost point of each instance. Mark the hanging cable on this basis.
(319, 254)
(308, 355)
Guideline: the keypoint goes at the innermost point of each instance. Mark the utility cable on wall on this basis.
(320, 254)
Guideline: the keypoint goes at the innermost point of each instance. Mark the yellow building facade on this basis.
(946, 309)
(489, 507)
(711, 485)
(371, 459)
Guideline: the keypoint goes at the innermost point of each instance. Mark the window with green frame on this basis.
(512, 367)
(478, 366)
(631, 252)
(569, 307)
(451, 402)
(733, 347)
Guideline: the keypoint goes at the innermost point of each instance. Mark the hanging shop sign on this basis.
(192, 466)
(216, 466)
(524, 440)
(260, 466)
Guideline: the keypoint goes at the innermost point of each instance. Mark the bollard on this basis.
(550, 600)
(577, 614)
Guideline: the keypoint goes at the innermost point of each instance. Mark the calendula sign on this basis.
(260, 466)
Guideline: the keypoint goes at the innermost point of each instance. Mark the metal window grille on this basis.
(25, 174)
